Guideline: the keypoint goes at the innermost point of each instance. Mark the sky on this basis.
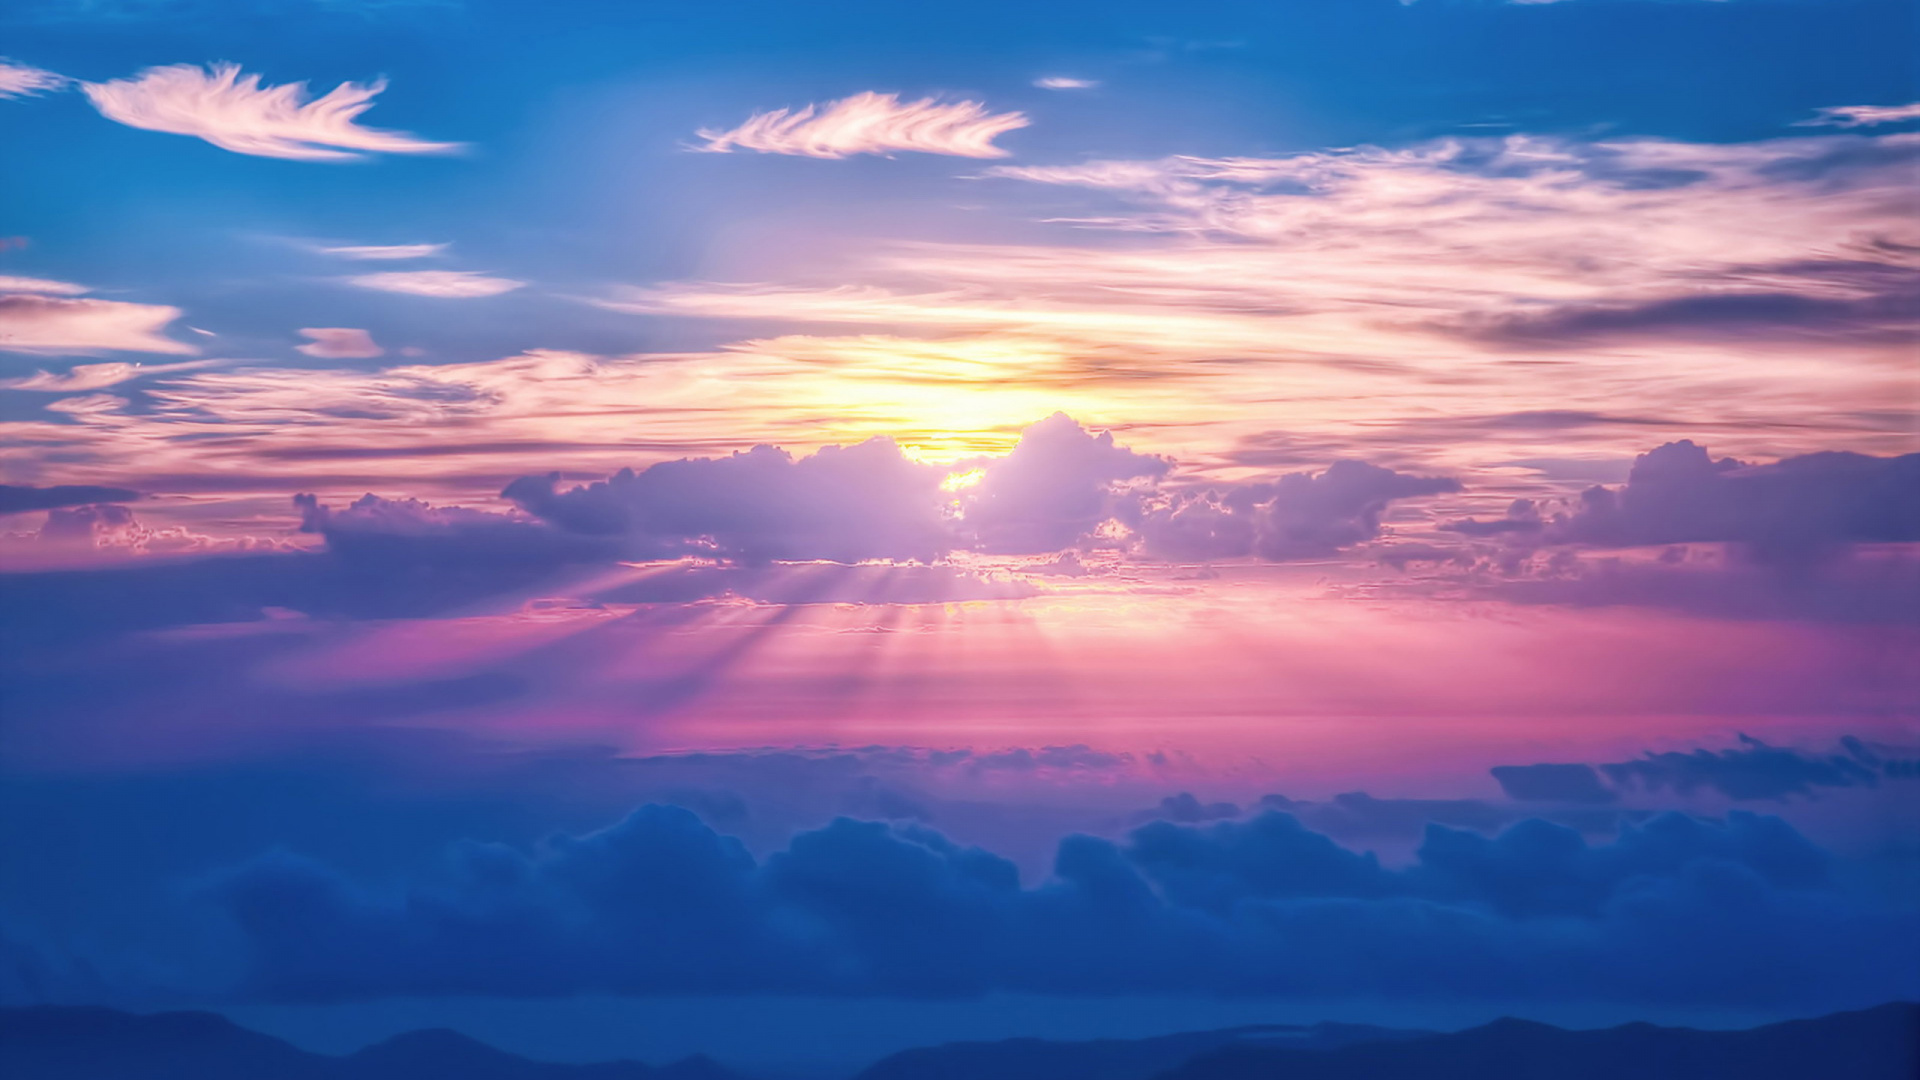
(790, 531)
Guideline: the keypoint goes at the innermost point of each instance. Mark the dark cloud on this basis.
(1301, 515)
(1573, 783)
(1793, 508)
(1677, 910)
(15, 499)
(1753, 770)
(1853, 300)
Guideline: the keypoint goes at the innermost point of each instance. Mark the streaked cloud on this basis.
(1848, 116)
(375, 252)
(63, 326)
(85, 377)
(870, 123)
(339, 343)
(1064, 82)
(448, 284)
(40, 285)
(19, 80)
(235, 112)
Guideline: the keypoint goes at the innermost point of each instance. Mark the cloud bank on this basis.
(233, 111)
(870, 123)
(1678, 910)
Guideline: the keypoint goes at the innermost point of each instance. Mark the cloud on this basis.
(234, 112)
(19, 80)
(60, 326)
(378, 252)
(845, 504)
(448, 284)
(1553, 783)
(870, 123)
(1678, 910)
(1751, 771)
(1057, 485)
(83, 377)
(1301, 515)
(1063, 82)
(1792, 509)
(339, 343)
(15, 499)
(1848, 116)
(40, 285)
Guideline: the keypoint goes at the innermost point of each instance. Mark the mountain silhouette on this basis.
(1105, 1059)
(1874, 1044)
(65, 1043)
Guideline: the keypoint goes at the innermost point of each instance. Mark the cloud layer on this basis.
(1676, 911)
(870, 123)
(233, 111)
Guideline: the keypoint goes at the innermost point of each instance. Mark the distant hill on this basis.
(1107, 1059)
(1874, 1044)
(61, 1043)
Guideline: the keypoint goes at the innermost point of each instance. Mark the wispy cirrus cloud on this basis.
(19, 80)
(1849, 116)
(446, 284)
(385, 252)
(68, 326)
(235, 112)
(870, 123)
(1065, 82)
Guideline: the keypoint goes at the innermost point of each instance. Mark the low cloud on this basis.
(870, 123)
(235, 112)
(1677, 910)
(1301, 515)
(19, 498)
(339, 343)
(446, 284)
(1791, 510)
(64, 326)
(1753, 770)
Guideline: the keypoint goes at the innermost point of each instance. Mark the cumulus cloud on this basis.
(845, 504)
(17, 498)
(1301, 515)
(63, 326)
(1059, 483)
(1863, 115)
(447, 284)
(870, 123)
(1677, 910)
(19, 80)
(385, 252)
(1791, 509)
(397, 535)
(339, 343)
(233, 111)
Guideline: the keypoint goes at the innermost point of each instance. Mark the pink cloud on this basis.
(870, 123)
(339, 343)
(19, 80)
(1863, 115)
(58, 326)
(446, 284)
(234, 112)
